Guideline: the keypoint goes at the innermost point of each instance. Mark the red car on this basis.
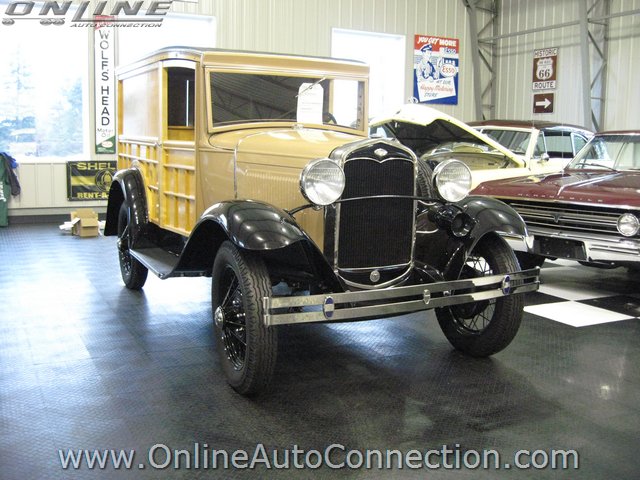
(590, 212)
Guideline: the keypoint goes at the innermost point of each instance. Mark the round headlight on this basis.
(452, 179)
(322, 181)
(628, 224)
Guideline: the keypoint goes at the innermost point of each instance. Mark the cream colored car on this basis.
(257, 170)
(436, 137)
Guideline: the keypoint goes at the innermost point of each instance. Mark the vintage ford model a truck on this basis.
(256, 170)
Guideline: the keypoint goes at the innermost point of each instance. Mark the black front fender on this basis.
(492, 215)
(269, 232)
(254, 225)
(440, 248)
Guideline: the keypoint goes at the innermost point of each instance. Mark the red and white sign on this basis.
(545, 68)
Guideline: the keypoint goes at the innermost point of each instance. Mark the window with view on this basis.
(43, 78)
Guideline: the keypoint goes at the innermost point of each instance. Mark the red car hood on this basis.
(599, 188)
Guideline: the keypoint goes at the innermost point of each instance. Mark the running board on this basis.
(162, 263)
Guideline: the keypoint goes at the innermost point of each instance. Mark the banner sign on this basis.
(436, 62)
(104, 63)
(545, 68)
(89, 180)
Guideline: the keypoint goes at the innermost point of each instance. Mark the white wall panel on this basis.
(622, 107)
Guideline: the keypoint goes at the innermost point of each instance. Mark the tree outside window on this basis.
(42, 102)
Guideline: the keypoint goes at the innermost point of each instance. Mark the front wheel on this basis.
(246, 347)
(483, 328)
(134, 274)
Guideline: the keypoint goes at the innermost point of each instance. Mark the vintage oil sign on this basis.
(436, 66)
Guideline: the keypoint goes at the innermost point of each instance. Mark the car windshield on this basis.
(516, 141)
(609, 152)
(250, 97)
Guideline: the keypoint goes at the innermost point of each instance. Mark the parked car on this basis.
(589, 212)
(547, 143)
(257, 170)
(436, 137)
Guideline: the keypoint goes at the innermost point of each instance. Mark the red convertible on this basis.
(590, 212)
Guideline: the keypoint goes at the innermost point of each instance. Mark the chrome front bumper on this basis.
(597, 248)
(346, 306)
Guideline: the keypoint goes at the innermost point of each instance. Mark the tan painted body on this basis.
(189, 167)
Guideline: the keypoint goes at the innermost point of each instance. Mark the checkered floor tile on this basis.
(581, 296)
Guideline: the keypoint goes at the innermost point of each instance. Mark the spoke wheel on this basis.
(246, 347)
(134, 274)
(486, 327)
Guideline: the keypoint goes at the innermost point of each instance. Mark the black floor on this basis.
(87, 364)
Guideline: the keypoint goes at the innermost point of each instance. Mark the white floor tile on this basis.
(575, 314)
(571, 291)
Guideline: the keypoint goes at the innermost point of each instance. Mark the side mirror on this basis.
(544, 157)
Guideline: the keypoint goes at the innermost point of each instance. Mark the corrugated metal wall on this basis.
(622, 107)
(304, 27)
(515, 61)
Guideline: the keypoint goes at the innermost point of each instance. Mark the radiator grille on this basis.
(376, 232)
(574, 218)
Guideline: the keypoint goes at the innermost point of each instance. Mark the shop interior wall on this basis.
(304, 27)
(515, 62)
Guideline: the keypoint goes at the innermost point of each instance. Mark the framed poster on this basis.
(435, 69)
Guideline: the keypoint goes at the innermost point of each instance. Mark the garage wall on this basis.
(515, 61)
(304, 27)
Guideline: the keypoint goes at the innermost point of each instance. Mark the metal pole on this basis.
(585, 61)
(475, 58)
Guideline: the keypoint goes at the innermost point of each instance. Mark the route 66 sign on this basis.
(545, 67)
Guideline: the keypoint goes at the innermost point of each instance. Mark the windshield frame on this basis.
(580, 163)
(316, 77)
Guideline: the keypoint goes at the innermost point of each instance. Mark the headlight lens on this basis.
(452, 179)
(322, 181)
(628, 224)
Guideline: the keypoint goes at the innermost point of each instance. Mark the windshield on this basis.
(609, 152)
(516, 141)
(250, 97)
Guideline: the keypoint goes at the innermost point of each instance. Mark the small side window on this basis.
(578, 142)
(180, 96)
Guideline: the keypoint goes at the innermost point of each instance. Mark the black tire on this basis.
(529, 260)
(246, 347)
(425, 185)
(483, 328)
(134, 274)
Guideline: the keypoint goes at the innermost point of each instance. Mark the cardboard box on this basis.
(84, 223)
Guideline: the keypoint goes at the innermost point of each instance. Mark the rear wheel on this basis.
(134, 274)
(247, 348)
(483, 328)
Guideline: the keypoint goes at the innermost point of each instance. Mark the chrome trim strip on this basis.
(560, 202)
(397, 300)
(605, 248)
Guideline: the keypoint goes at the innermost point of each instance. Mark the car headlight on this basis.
(452, 179)
(628, 224)
(322, 181)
